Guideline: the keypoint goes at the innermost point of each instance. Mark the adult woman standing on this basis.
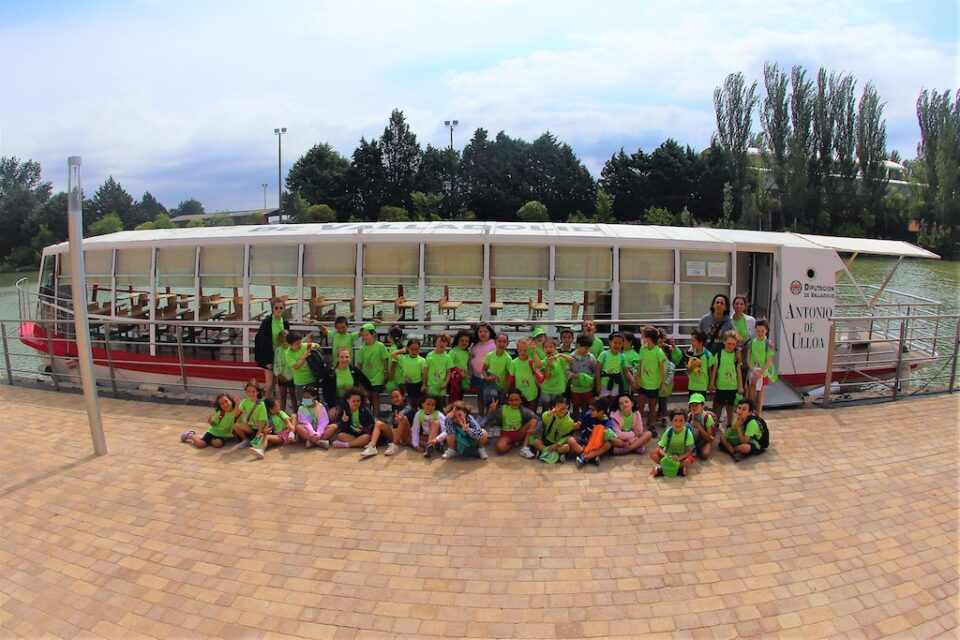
(716, 322)
(265, 344)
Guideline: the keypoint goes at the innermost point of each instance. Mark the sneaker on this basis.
(340, 444)
(620, 451)
(368, 451)
(257, 453)
(186, 435)
(527, 452)
(596, 461)
(292, 438)
(737, 456)
(430, 450)
(482, 453)
(323, 444)
(391, 449)
(449, 453)
(243, 444)
(581, 461)
(563, 458)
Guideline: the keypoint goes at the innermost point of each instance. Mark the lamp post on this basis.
(264, 185)
(450, 124)
(279, 133)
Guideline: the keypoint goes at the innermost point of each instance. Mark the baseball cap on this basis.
(369, 326)
(696, 398)
(539, 331)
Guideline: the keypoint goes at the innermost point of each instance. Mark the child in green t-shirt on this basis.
(742, 438)
(279, 430)
(460, 356)
(596, 344)
(372, 360)
(412, 371)
(250, 415)
(439, 366)
(704, 425)
(522, 369)
(699, 361)
(628, 427)
(219, 425)
(296, 358)
(726, 377)
(495, 370)
(759, 354)
(676, 443)
(341, 338)
(653, 374)
(566, 341)
(516, 423)
(554, 437)
(613, 375)
(554, 374)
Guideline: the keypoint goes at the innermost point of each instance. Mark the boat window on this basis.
(47, 283)
(583, 269)
(646, 284)
(133, 267)
(221, 266)
(328, 279)
(97, 267)
(520, 267)
(454, 277)
(175, 267)
(703, 274)
(391, 263)
(273, 273)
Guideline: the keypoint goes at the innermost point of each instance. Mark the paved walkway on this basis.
(161, 540)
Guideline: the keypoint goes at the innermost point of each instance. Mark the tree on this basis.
(775, 118)
(872, 154)
(111, 197)
(110, 223)
(22, 196)
(672, 176)
(319, 176)
(533, 211)
(494, 174)
(557, 178)
(393, 214)
(149, 208)
(843, 209)
(734, 104)
(189, 207)
(626, 179)
(294, 205)
(218, 219)
(426, 206)
(603, 208)
(822, 183)
(659, 216)
(938, 155)
(365, 180)
(318, 213)
(401, 159)
(799, 198)
(440, 173)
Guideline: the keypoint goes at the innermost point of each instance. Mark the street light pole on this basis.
(264, 185)
(450, 124)
(279, 133)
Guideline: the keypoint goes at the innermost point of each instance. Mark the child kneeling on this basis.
(674, 454)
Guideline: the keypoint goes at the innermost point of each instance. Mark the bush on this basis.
(394, 214)
(318, 213)
(659, 216)
(109, 223)
(533, 211)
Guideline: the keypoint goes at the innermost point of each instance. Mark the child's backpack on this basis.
(455, 390)
(465, 444)
(318, 364)
(764, 433)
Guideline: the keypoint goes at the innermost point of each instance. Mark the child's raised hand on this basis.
(493, 404)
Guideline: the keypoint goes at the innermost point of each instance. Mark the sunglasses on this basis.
(279, 306)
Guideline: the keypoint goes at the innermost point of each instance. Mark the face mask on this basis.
(307, 402)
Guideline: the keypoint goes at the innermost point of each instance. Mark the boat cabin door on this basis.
(755, 279)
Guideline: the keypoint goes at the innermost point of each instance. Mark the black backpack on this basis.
(318, 364)
(764, 433)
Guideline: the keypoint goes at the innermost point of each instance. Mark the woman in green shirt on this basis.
(343, 377)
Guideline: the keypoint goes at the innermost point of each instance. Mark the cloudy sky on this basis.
(180, 97)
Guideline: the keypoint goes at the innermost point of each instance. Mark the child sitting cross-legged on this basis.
(517, 423)
(219, 424)
(674, 454)
(595, 418)
(555, 433)
(462, 434)
(628, 427)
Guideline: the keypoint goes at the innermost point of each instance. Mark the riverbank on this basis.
(155, 541)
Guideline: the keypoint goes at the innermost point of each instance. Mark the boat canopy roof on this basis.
(496, 232)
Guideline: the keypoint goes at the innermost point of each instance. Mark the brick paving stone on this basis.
(159, 539)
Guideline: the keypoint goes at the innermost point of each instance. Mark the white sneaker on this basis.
(243, 444)
(449, 453)
(323, 444)
(368, 451)
(258, 453)
(527, 452)
(391, 449)
(482, 453)
(309, 443)
(292, 438)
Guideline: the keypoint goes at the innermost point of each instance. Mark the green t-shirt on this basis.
(650, 361)
(627, 421)
(741, 327)
(276, 326)
(461, 359)
(678, 441)
(557, 430)
(555, 377)
(303, 375)
(727, 370)
(411, 367)
(278, 421)
(372, 359)
(343, 341)
(612, 365)
(498, 366)
(344, 380)
(252, 413)
(699, 379)
(759, 352)
(751, 431)
(522, 371)
(597, 347)
(511, 418)
(438, 364)
(633, 359)
(222, 426)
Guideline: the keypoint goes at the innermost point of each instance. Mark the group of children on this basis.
(552, 398)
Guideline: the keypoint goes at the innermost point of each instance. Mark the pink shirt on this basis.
(477, 353)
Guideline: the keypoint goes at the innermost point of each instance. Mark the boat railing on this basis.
(905, 354)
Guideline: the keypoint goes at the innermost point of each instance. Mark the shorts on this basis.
(377, 388)
(684, 458)
(581, 399)
(612, 393)
(514, 437)
(725, 397)
(548, 398)
(734, 438)
(648, 393)
(208, 438)
(489, 392)
(288, 436)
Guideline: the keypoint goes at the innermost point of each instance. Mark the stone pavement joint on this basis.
(158, 539)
